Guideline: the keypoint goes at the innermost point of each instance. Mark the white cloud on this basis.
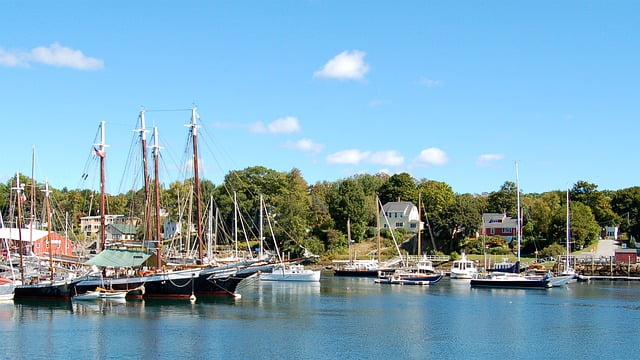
(433, 156)
(488, 159)
(285, 125)
(377, 102)
(429, 82)
(346, 65)
(306, 145)
(389, 158)
(54, 55)
(257, 127)
(353, 156)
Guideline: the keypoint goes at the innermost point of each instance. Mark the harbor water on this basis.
(339, 318)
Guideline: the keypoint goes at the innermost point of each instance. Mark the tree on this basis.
(459, 220)
(584, 228)
(626, 203)
(436, 196)
(400, 187)
(599, 203)
(504, 200)
(349, 202)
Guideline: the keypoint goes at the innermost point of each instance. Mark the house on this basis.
(36, 242)
(401, 214)
(90, 225)
(609, 232)
(120, 233)
(497, 224)
(171, 228)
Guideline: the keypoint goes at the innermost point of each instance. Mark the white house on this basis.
(401, 214)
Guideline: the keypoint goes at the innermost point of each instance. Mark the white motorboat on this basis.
(463, 268)
(290, 272)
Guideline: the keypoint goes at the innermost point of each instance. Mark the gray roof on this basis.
(401, 206)
(498, 220)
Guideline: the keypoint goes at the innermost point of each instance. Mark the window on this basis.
(493, 231)
(413, 226)
(399, 224)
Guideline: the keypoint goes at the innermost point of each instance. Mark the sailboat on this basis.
(284, 271)
(7, 285)
(568, 274)
(172, 283)
(363, 268)
(51, 289)
(512, 280)
(420, 273)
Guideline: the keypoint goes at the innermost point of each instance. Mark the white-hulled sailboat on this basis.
(512, 280)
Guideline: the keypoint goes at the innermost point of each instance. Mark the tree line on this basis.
(315, 216)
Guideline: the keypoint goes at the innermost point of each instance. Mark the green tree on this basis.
(584, 228)
(626, 203)
(459, 220)
(400, 187)
(504, 200)
(599, 203)
(349, 202)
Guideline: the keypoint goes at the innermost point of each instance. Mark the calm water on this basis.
(340, 318)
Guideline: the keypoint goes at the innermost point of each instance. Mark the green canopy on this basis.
(119, 258)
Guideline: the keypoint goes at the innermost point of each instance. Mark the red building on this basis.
(39, 245)
(496, 224)
(626, 256)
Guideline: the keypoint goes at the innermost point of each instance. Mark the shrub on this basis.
(499, 250)
(553, 250)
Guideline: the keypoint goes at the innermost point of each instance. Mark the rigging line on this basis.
(166, 110)
(212, 140)
(132, 155)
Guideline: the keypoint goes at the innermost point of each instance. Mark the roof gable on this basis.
(398, 206)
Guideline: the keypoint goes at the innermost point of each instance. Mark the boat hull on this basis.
(178, 284)
(461, 275)
(307, 276)
(356, 273)
(48, 291)
(511, 283)
(410, 280)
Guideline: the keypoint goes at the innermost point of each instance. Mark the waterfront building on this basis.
(400, 214)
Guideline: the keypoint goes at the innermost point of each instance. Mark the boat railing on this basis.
(432, 258)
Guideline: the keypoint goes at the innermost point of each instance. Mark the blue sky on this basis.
(449, 91)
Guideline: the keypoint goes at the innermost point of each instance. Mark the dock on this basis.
(607, 278)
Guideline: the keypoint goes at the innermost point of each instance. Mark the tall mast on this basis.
(349, 239)
(261, 227)
(49, 224)
(156, 155)
(147, 194)
(235, 223)
(33, 192)
(566, 262)
(419, 224)
(378, 225)
(519, 230)
(100, 151)
(194, 134)
(210, 228)
(18, 190)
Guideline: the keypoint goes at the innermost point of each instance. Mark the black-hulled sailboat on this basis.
(508, 279)
(159, 283)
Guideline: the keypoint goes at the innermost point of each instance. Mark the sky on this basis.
(448, 91)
